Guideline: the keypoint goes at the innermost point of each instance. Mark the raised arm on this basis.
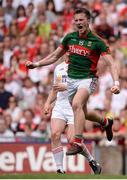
(50, 59)
(114, 72)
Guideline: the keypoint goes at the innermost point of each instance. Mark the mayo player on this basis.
(62, 119)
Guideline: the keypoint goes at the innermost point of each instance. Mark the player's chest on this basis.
(81, 46)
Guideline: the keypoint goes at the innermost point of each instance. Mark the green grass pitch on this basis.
(60, 176)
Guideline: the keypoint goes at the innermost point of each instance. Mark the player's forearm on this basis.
(114, 73)
(52, 97)
(112, 66)
(50, 59)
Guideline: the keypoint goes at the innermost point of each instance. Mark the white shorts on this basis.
(75, 84)
(64, 112)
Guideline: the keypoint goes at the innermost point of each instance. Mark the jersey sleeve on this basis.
(64, 42)
(104, 48)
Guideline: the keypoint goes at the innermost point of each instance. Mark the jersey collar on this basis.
(85, 36)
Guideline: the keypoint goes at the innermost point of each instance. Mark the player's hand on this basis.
(59, 87)
(115, 89)
(30, 65)
(47, 109)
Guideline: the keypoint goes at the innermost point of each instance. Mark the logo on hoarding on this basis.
(37, 159)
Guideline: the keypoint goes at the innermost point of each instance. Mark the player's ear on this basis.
(89, 20)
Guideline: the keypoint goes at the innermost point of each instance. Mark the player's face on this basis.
(81, 22)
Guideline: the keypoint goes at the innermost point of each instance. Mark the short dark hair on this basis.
(83, 10)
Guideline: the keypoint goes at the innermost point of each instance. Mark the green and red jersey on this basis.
(84, 54)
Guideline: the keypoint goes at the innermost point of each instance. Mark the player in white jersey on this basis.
(62, 119)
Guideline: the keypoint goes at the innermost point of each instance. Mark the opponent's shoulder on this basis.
(61, 66)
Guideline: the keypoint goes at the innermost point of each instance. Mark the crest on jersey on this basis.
(81, 43)
(89, 43)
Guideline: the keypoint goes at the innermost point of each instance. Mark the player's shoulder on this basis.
(61, 66)
(71, 35)
(98, 38)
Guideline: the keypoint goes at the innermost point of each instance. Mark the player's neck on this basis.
(84, 34)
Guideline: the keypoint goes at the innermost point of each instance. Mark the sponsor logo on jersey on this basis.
(76, 49)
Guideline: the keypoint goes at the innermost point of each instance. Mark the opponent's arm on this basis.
(60, 87)
(50, 59)
(57, 87)
(114, 72)
(51, 98)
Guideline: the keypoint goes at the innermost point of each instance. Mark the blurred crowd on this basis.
(31, 29)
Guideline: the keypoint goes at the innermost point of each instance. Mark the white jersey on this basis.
(60, 76)
(62, 109)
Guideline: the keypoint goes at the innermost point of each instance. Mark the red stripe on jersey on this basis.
(61, 46)
(94, 57)
(104, 53)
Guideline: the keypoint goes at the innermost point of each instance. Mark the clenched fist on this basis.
(30, 65)
(115, 89)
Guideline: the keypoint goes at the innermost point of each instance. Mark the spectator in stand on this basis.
(68, 14)
(123, 72)
(41, 8)
(7, 51)
(32, 46)
(14, 111)
(59, 34)
(11, 85)
(14, 65)
(123, 116)
(21, 69)
(39, 103)
(9, 12)
(43, 27)
(91, 131)
(22, 42)
(52, 46)
(13, 29)
(3, 28)
(8, 121)
(29, 93)
(28, 123)
(119, 130)
(21, 18)
(6, 135)
(1, 55)
(4, 95)
(123, 42)
(104, 29)
(50, 11)
(40, 74)
(41, 131)
(30, 9)
(112, 15)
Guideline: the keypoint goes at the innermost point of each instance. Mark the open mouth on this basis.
(80, 27)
